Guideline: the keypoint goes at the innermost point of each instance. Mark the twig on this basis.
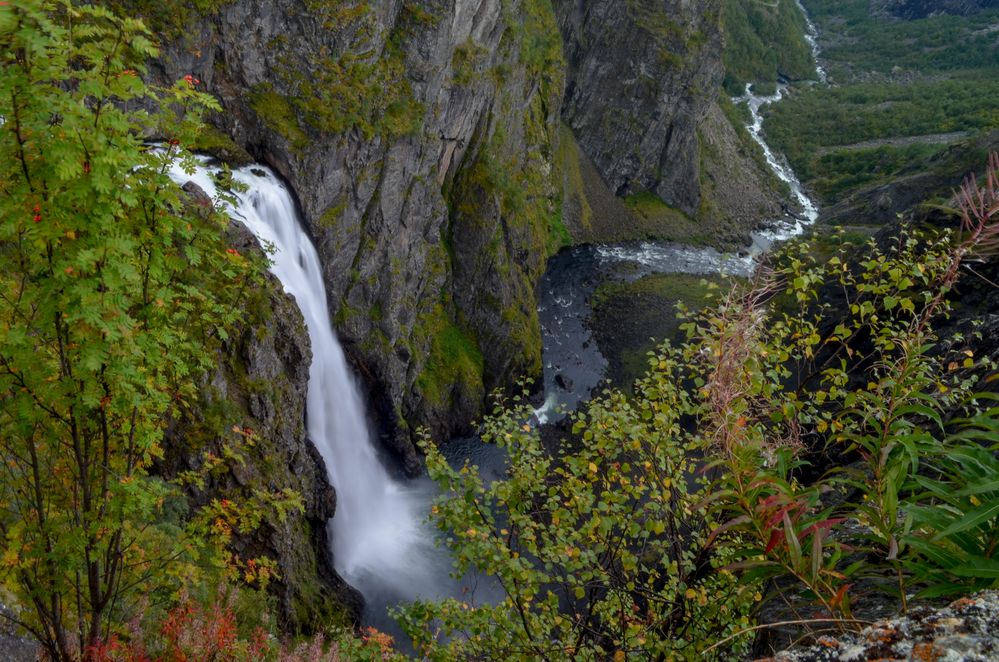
(803, 621)
(990, 282)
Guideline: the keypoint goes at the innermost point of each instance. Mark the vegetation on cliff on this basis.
(764, 41)
(902, 91)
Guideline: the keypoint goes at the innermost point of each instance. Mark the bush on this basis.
(657, 525)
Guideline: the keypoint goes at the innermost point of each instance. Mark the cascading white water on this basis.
(780, 230)
(778, 164)
(812, 37)
(380, 542)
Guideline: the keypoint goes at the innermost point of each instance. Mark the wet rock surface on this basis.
(967, 630)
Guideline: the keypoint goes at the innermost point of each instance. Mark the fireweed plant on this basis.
(665, 518)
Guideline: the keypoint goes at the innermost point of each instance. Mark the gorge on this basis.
(366, 329)
(380, 543)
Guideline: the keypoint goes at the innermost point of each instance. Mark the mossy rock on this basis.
(630, 318)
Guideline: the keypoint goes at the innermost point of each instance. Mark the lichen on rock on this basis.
(967, 630)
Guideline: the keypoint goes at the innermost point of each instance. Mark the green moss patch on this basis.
(278, 114)
(455, 360)
(218, 144)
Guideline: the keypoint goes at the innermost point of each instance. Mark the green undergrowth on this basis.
(857, 41)
(659, 220)
(576, 206)
(822, 131)
(843, 171)
(218, 144)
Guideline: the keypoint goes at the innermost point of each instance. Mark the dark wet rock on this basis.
(966, 630)
(563, 382)
(197, 195)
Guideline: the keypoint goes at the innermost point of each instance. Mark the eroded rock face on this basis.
(408, 131)
(641, 76)
(421, 141)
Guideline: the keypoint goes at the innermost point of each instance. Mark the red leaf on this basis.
(775, 537)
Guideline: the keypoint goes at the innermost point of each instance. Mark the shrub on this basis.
(655, 527)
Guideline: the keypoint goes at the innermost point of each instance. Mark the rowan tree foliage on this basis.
(113, 298)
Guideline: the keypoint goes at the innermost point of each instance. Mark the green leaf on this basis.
(974, 518)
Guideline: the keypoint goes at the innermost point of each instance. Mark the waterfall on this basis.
(778, 164)
(782, 230)
(380, 542)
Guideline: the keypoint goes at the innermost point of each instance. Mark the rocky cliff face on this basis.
(641, 76)
(416, 136)
(642, 101)
(422, 142)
